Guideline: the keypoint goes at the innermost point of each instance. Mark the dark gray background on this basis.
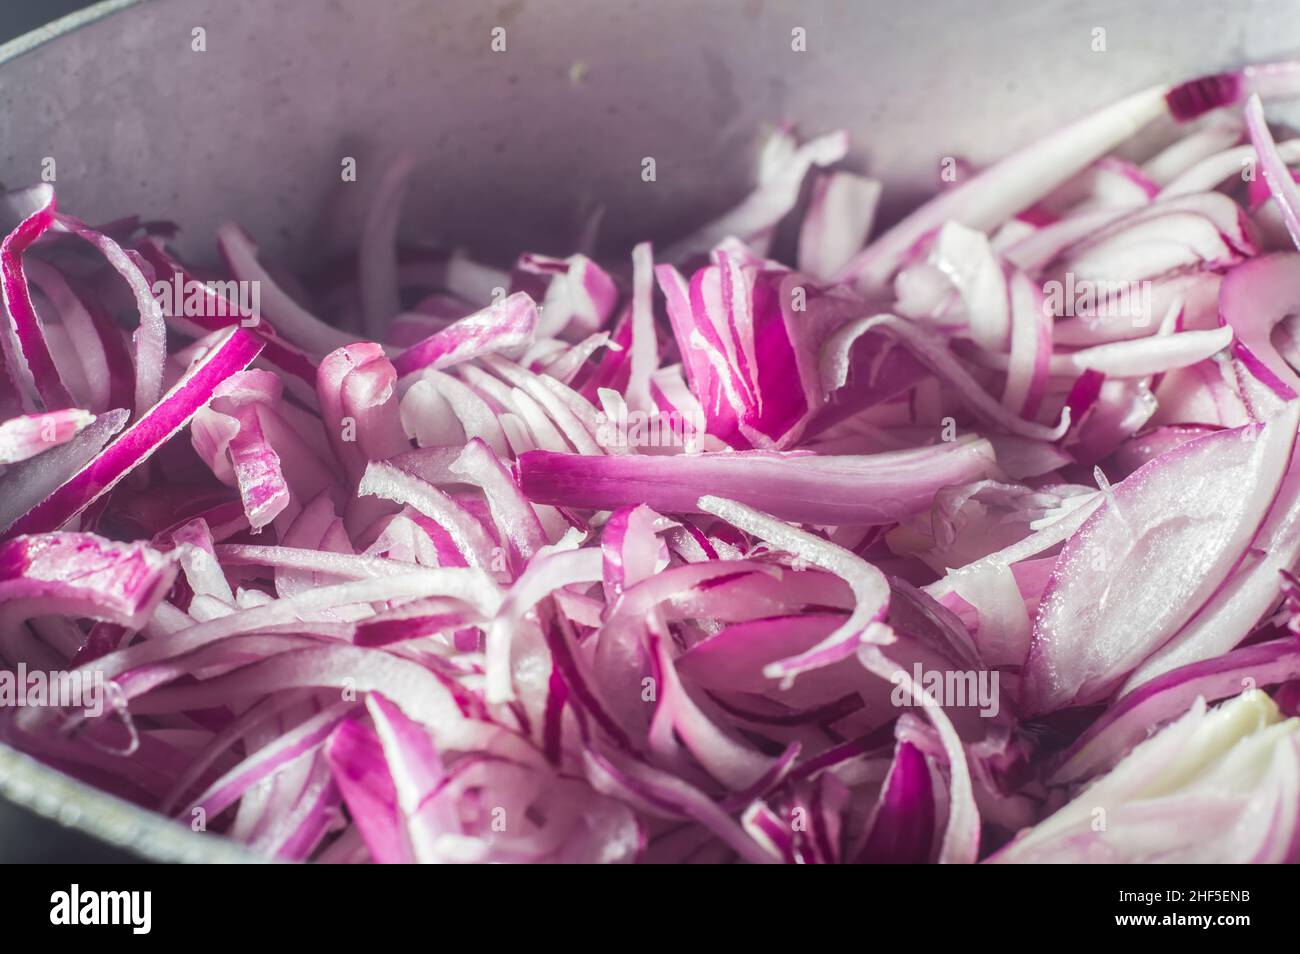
(19, 16)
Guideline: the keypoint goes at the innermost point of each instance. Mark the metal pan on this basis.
(515, 144)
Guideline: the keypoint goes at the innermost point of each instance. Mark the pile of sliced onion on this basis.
(928, 548)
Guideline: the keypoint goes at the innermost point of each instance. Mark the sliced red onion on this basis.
(467, 534)
(267, 760)
(89, 335)
(961, 836)
(677, 716)
(27, 355)
(1244, 600)
(25, 437)
(505, 326)
(839, 219)
(80, 574)
(1231, 771)
(1030, 353)
(902, 826)
(219, 311)
(1184, 154)
(357, 387)
(151, 336)
(965, 257)
(1009, 186)
(289, 318)
(1112, 601)
(1167, 696)
(1276, 174)
(798, 487)
(644, 348)
(377, 264)
(869, 586)
(776, 195)
(234, 352)
(616, 601)
(1147, 356)
(934, 354)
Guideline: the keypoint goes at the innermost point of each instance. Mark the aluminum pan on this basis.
(511, 144)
